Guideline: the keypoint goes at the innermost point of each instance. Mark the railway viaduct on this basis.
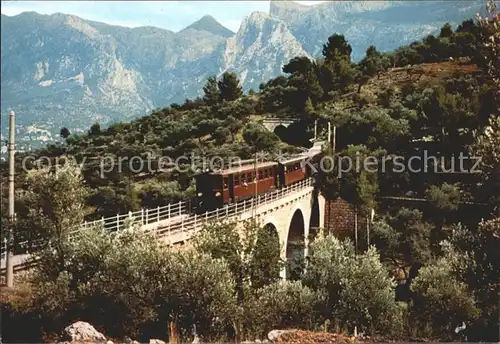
(294, 213)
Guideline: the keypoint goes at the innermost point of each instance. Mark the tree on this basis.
(197, 290)
(487, 147)
(221, 135)
(212, 93)
(474, 257)
(336, 47)
(244, 254)
(298, 66)
(234, 125)
(128, 283)
(359, 185)
(445, 199)
(441, 303)
(57, 206)
(303, 84)
(64, 133)
(266, 250)
(446, 31)
(95, 129)
(283, 304)
(336, 71)
(336, 74)
(229, 87)
(374, 62)
(357, 289)
(259, 138)
(404, 241)
(491, 40)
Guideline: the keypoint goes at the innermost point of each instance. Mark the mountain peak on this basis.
(210, 24)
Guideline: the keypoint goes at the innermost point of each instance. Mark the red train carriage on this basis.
(292, 171)
(234, 184)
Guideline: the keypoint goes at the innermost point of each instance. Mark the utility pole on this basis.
(356, 229)
(9, 256)
(329, 134)
(256, 179)
(334, 137)
(368, 231)
(315, 130)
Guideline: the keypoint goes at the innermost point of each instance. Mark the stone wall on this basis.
(340, 220)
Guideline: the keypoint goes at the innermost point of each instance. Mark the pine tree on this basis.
(446, 31)
(337, 46)
(64, 133)
(229, 87)
(212, 94)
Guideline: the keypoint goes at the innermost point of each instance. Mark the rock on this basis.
(109, 342)
(83, 332)
(275, 334)
(128, 340)
(156, 341)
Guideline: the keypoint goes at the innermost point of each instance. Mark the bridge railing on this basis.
(179, 219)
(169, 212)
(141, 217)
(195, 222)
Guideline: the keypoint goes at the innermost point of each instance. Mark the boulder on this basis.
(275, 334)
(83, 332)
(128, 340)
(156, 341)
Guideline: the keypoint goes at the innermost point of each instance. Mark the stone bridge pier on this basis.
(296, 223)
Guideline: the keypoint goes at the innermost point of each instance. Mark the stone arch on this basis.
(295, 245)
(266, 256)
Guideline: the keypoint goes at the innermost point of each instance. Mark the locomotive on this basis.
(218, 188)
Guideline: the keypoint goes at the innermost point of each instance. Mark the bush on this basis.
(127, 284)
(441, 303)
(281, 305)
(357, 289)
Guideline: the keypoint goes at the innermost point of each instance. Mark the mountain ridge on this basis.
(63, 70)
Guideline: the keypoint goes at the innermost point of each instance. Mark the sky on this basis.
(171, 15)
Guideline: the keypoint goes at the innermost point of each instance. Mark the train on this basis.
(215, 189)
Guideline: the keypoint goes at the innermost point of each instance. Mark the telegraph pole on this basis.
(9, 254)
(256, 179)
(334, 138)
(315, 130)
(329, 134)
